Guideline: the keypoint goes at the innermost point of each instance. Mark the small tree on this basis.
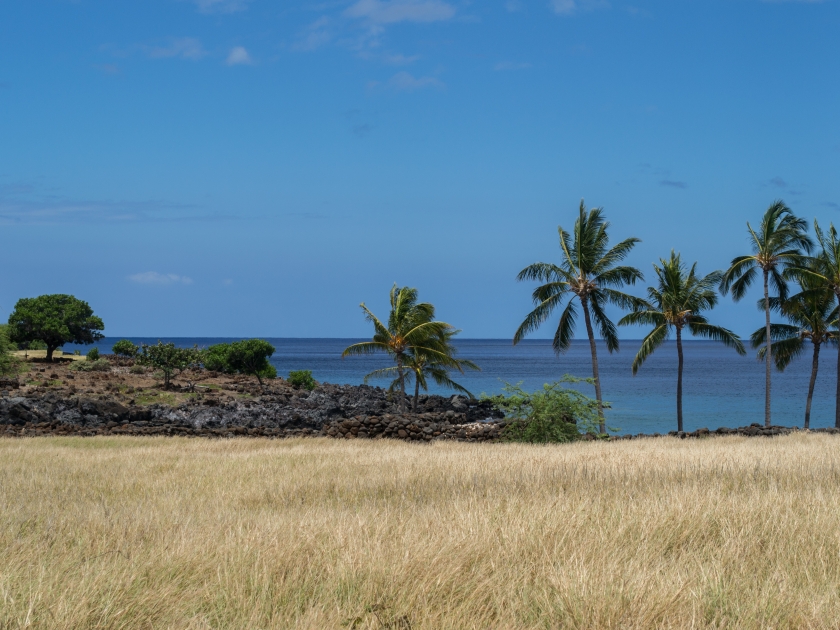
(250, 356)
(54, 320)
(124, 348)
(167, 358)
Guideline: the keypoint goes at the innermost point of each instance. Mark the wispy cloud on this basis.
(399, 59)
(393, 11)
(220, 6)
(513, 5)
(406, 82)
(778, 182)
(238, 56)
(178, 47)
(510, 65)
(831, 204)
(673, 183)
(153, 277)
(110, 69)
(571, 7)
(315, 35)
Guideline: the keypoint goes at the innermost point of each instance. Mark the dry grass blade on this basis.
(170, 533)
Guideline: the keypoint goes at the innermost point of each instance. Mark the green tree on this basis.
(125, 348)
(814, 318)
(676, 303)
(590, 272)
(250, 356)
(778, 244)
(168, 358)
(421, 366)
(411, 329)
(823, 271)
(54, 320)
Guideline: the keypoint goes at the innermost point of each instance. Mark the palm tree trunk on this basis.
(679, 379)
(815, 365)
(601, 426)
(402, 382)
(768, 357)
(416, 392)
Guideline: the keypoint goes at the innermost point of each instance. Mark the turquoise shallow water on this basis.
(720, 387)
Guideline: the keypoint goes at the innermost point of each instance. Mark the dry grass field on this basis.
(169, 533)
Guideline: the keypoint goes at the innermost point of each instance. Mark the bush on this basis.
(93, 354)
(555, 414)
(8, 363)
(37, 344)
(99, 365)
(124, 348)
(249, 356)
(302, 379)
(168, 359)
(137, 369)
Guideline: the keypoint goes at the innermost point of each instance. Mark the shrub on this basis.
(124, 348)
(99, 365)
(8, 363)
(137, 369)
(168, 359)
(302, 379)
(249, 356)
(554, 414)
(93, 354)
(216, 357)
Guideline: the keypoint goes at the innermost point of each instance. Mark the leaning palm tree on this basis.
(814, 317)
(824, 271)
(675, 304)
(779, 243)
(411, 328)
(589, 272)
(421, 366)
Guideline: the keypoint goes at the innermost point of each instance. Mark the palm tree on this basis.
(588, 271)
(814, 317)
(420, 365)
(824, 270)
(676, 303)
(778, 244)
(411, 328)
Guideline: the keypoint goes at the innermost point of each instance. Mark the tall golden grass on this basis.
(171, 533)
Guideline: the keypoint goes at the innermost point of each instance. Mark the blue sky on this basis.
(245, 167)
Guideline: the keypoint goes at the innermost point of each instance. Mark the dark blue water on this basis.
(720, 388)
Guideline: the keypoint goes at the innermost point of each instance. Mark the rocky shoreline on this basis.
(335, 411)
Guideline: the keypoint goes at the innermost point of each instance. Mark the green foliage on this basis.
(302, 379)
(93, 354)
(124, 348)
(8, 363)
(216, 357)
(36, 344)
(554, 414)
(249, 356)
(137, 369)
(168, 358)
(99, 365)
(54, 320)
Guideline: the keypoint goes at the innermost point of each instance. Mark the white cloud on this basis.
(570, 7)
(509, 65)
(238, 56)
(513, 5)
(220, 6)
(405, 82)
(181, 47)
(399, 59)
(153, 277)
(393, 11)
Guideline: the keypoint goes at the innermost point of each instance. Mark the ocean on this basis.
(720, 388)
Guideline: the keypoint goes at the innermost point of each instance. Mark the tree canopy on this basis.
(55, 320)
